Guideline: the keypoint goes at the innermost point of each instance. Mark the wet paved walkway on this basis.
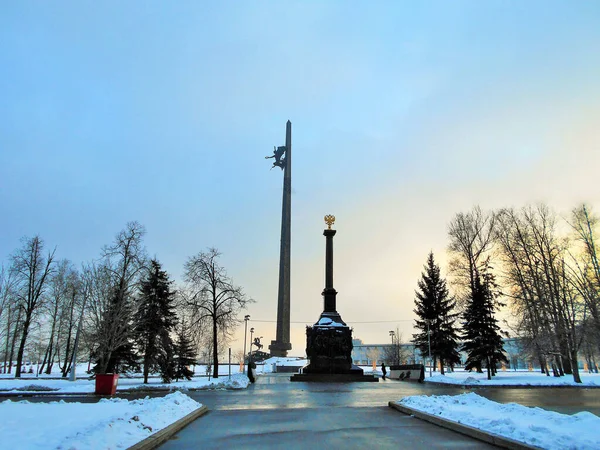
(275, 413)
(276, 391)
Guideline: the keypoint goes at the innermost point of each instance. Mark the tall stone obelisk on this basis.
(283, 159)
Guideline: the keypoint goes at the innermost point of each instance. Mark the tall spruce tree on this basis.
(155, 319)
(481, 333)
(434, 309)
(184, 353)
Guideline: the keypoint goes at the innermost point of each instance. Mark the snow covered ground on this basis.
(268, 365)
(118, 423)
(533, 426)
(199, 370)
(462, 378)
(30, 383)
(108, 424)
(512, 378)
(87, 386)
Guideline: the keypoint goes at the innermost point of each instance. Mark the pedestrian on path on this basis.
(383, 370)
(252, 371)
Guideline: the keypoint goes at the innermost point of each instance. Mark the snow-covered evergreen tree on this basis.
(184, 354)
(481, 333)
(155, 319)
(435, 308)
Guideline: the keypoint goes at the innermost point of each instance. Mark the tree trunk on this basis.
(146, 366)
(21, 351)
(41, 369)
(103, 360)
(575, 366)
(61, 368)
(51, 360)
(542, 365)
(14, 341)
(66, 367)
(555, 371)
(49, 352)
(7, 341)
(215, 350)
(68, 351)
(564, 355)
(68, 354)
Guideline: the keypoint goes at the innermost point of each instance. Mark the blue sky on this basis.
(403, 114)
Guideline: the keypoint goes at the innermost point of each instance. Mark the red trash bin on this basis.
(106, 383)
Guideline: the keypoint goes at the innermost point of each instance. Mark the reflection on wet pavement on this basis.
(276, 391)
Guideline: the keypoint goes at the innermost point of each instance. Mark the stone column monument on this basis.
(283, 160)
(329, 341)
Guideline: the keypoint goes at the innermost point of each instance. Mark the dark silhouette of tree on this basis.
(214, 299)
(155, 319)
(482, 339)
(434, 310)
(184, 353)
(397, 352)
(32, 272)
(112, 305)
(471, 243)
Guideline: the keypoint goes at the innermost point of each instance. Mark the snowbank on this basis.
(512, 378)
(86, 386)
(108, 424)
(533, 426)
(268, 365)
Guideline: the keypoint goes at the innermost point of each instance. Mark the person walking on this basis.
(383, 370)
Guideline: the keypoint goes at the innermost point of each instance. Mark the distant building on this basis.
(365, 354)
(518, 357)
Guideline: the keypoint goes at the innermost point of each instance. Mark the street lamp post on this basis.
(246, 319)
(392, 333)
(251, 341)
(429, 345)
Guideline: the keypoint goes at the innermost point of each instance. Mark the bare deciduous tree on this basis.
(8, 316)
(471, 241)
(214, 299)
(586, 273)
(112, 285)
(58, 296)
(32, 271)
(396, 353)
(540, 286)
